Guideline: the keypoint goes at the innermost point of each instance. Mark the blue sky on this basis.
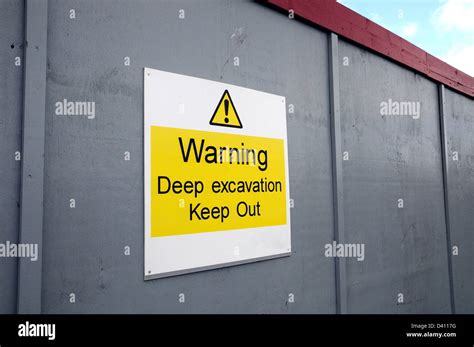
(444, 28)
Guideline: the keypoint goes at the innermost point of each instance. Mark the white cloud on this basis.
(455, 14)
(409, 30)
(461, 58)
(375, 17)
(457, 18)
(400, 14)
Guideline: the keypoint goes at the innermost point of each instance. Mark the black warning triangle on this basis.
(225, 114)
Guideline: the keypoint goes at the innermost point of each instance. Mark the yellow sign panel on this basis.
(225, 114)
(206, 181)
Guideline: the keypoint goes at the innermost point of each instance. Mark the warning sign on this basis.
(216, 181)
(223, 181)
(225, 114)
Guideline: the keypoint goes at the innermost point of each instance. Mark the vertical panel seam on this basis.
(337, 179)
(444, 161)
(32, 164)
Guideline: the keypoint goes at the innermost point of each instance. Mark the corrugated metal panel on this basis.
(84, 246)
(11, 84)
(392, 157)
(459, 123)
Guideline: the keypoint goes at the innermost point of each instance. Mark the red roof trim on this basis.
(343, 21)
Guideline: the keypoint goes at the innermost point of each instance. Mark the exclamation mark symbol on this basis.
(226, 108)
